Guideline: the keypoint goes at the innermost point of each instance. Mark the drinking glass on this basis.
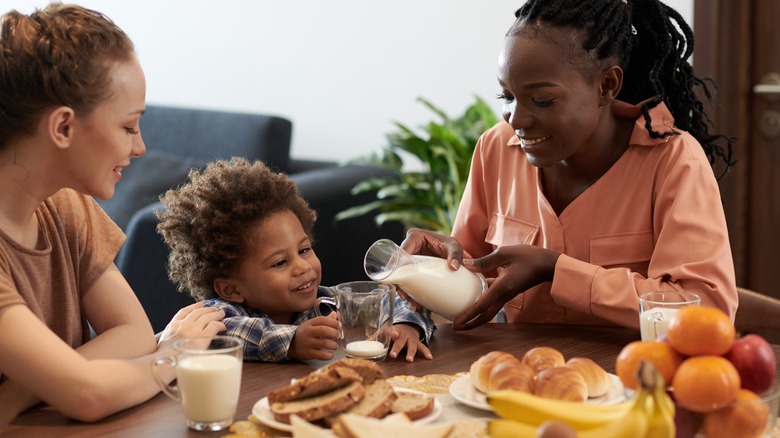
(366, 314)
(656, 308)
(208, 379)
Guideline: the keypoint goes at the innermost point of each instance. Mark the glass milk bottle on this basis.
(428, 280)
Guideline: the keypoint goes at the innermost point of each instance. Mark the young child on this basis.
(597, 185)
(240, 239)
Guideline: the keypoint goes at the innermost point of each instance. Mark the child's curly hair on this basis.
(207, 220)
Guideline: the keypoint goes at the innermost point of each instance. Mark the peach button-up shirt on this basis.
(653, 221)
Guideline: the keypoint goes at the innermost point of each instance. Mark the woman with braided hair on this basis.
(600, 183)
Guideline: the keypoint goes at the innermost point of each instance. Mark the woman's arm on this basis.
(14, 399)
(123, 332)
(122, 327)
(50, 369)
(690, 250)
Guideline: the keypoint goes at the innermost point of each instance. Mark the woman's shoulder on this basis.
(67, 196)
(71, 202)
(501, 133)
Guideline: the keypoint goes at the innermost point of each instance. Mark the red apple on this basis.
(686, 423)
(755, 361)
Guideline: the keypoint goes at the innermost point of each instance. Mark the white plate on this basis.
(262, 411)
(463, 391)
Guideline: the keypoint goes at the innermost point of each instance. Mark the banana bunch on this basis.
(650, 413)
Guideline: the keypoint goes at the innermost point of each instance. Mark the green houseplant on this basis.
(428, 197)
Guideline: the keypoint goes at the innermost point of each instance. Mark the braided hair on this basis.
(652, 43)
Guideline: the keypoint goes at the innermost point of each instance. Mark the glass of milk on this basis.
(657, 308)
(428, 280)
(366, 314)
(208, 379)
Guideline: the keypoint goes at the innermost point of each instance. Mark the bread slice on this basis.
(304, 429)
(356, 426)
(331, 376)
(376, 402)
(320, 406)
(315, 383)
(415, 405)
(368, 370)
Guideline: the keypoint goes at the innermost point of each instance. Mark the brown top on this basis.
(79, 243)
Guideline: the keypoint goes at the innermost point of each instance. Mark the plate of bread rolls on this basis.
(542, 371)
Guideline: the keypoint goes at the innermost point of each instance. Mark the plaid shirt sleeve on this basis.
(264, 340)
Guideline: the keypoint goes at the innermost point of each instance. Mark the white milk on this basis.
(365, 349)
(437, 287)
(655, 322)
(209, 386)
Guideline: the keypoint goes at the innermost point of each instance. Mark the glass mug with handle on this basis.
(366, 311)
(208, 379)
(428, 280)
(656, 308)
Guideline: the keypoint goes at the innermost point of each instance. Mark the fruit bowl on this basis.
(744, 418)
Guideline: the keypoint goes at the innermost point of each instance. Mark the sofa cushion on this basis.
(209, 134)
(145, 180)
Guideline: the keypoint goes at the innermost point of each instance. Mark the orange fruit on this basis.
(705, 383)
(660, 354)
(698, 330)
(746, 418)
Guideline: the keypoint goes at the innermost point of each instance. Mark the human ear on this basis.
(227, 290)
(610, 83)
(59, 126)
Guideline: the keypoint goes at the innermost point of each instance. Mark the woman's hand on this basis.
(315, 339)
(419, 241)
(408, 336)
(193, 321)
(519, 268)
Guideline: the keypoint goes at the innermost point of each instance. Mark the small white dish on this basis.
(463, 391)
(262, 411)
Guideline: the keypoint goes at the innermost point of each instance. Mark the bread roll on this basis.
(542, 358)
(511, 374)
(596, 378)
(479, 374)
(561, 383)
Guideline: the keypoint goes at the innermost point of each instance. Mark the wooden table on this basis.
(453, 351)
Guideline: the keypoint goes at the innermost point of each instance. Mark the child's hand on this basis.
(408, 336)
(315, 339)
(193, 320)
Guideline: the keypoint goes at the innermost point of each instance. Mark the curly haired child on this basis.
(241, 240)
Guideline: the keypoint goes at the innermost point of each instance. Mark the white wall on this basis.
(341, 70)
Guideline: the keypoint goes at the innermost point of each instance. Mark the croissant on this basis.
(561, 383)
(596, 378)
(480, 370)
(511, 374)
(542, 358)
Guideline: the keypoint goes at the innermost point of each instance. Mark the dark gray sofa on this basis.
(178, 139)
